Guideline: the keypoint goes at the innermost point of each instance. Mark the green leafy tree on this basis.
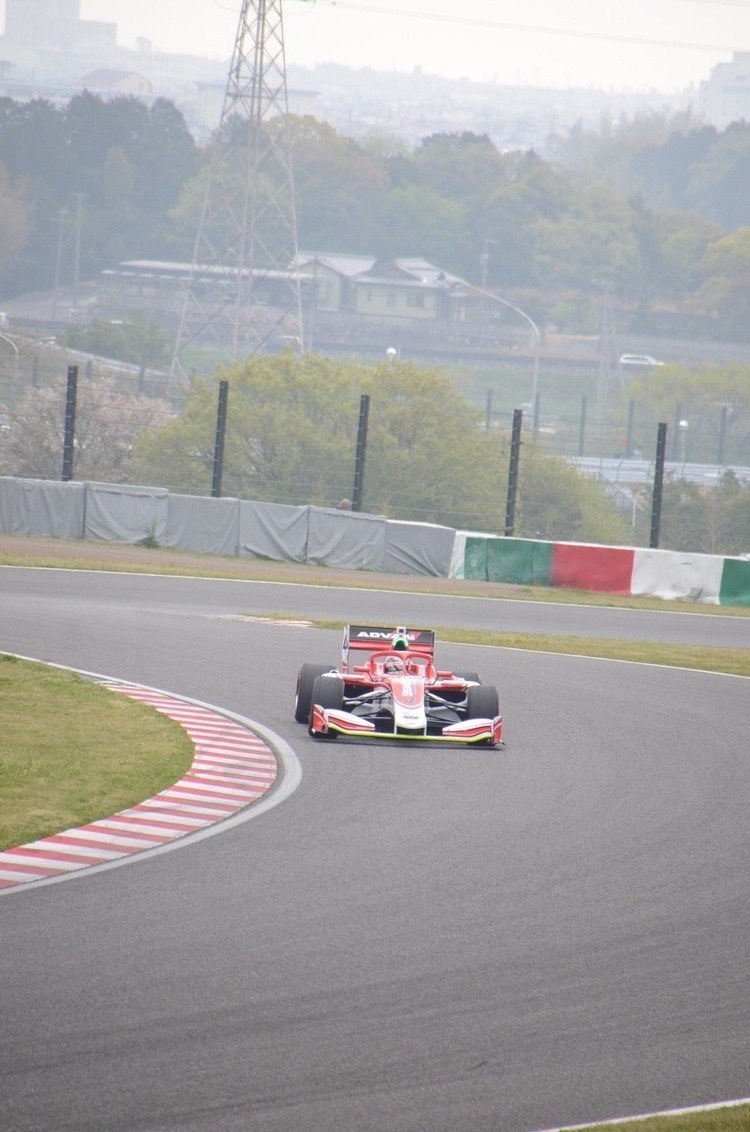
(594, 241)
(713, 520)
(339, 188)
(291, 438)
(725, 290)
(138, 342)
(556, 502)
(718, 183)
(710, 398)
(14, 223)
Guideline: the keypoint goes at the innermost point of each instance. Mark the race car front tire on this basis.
(482, 702)
(306, 678)
(328, 692)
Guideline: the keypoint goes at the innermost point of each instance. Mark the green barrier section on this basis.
(475, 558)
(523, 562)
(735, 582)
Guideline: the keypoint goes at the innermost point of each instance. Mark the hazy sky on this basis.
(666, 45)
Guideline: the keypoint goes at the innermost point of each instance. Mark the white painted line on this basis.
(51, 862)
(648, 1116)
(92, 850)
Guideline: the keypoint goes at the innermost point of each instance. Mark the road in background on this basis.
(67, 589)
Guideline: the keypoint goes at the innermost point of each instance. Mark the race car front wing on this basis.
(332, 722)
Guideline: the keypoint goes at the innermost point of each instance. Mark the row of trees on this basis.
(673, 162)
(95, 179)
(116, 179)
(291, 438)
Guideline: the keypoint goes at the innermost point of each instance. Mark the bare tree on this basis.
(107, 423)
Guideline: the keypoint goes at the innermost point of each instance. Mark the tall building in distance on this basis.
(54, 25)
(725, 97)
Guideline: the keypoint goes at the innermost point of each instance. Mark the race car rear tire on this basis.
(472, 677)
(482, 702)
(306, 678)
(328, 692)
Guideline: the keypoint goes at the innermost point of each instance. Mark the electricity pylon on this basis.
(244, 286)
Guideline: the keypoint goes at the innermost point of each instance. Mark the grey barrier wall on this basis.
(125, 514)
(273, 530)
(209, 526)
(41, 508)
(120, 513)
(346, 539)
(418, 548)
(150, 515)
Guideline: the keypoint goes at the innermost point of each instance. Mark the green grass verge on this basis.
(735, 662)
(72, 751)
(77, 554)
(728, 1119)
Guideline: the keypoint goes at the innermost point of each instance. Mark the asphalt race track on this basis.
(417, 939)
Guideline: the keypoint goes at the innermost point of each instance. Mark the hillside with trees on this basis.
(656, 208)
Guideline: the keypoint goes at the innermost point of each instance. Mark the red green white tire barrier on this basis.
(669, 574)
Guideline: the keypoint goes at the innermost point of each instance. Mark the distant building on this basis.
(346, 298)
(203, 112)
(48, 51)
(407, 288)
(54, 25)
(725, 97)
(110, 81)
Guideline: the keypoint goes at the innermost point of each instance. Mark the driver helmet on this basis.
(400, 641)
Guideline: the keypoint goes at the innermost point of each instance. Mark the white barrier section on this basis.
(209, 526)
(41, 508)
(458, 555)
(417, 548)
(121, 513)
(675, 576)
(457, 566)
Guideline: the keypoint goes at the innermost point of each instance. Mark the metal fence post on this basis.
(70, 423)
(515, 454)
(221, 427)
(359, 462)
(661, 448)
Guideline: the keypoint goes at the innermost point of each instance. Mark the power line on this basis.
(503, 25)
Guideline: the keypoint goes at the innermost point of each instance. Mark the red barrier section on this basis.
(605, 568)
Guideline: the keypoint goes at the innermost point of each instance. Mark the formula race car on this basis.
(387, 687)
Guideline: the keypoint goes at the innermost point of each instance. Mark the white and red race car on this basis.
(387, 687)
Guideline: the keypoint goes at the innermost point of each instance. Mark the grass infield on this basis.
(72, 751)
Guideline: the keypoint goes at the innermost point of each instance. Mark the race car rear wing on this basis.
(376, 638)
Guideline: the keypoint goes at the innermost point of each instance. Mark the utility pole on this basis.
(606, 345)
(244, 280)
(60, 220)
(77, 249)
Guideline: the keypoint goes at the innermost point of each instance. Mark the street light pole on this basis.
(60, 219)
(535, 330)
(14, 347)
(683, 426)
